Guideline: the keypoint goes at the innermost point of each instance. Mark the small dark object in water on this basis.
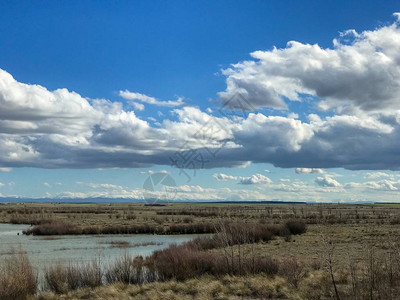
(17, 233)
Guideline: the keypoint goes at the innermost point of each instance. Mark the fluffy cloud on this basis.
(224, 177)
(374, 175)
(32, 109)
(272, 134)
(151, 172)
(363, 73)
(382, 185)
(150, 100)
(308, 171)
(5, 169)
(255, 179)
(327, 181)
(198, 130)
(138, 106)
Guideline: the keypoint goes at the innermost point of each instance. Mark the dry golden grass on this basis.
(228, 287)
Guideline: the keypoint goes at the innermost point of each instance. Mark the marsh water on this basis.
(44, 251)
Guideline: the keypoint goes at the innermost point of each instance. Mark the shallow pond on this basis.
(46, 250)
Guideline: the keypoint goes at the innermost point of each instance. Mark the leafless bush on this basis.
(129, 270)
(73, 276)
(53, 228)
(329, 262)
(194, 228)
(265, 265)
(17, 278)
(296, 226)
(378, 276)
(236, 256)
(91, 273)
(292, 270)
(180, 263)
(204, 243)
(56, 279)
(32, 220)
(62, 278)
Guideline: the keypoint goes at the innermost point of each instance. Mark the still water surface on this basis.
(46, 250)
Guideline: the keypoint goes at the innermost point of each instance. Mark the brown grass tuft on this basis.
(17, 278)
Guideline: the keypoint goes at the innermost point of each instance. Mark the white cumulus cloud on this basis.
(138, 106)
(255, 179)
(150, 100)
(373, 175)
(224, 177)
(363, 73)
(309, 171)
(327, 181)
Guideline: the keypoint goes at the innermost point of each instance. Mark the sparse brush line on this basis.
(66, 228)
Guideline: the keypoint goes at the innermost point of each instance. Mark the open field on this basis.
(259, 251)
(164, 216)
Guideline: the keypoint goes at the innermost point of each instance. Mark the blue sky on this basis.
(142, 77)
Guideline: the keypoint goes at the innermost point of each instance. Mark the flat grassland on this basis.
(347, 252)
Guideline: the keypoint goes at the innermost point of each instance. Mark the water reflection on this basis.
(46, 250)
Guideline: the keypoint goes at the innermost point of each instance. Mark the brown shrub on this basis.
(296, 226)
(292, 270)
(229, 234)
(180, 263)
(204, 243)
(90, 274)
(56, 279)
(195, 228)
(265, 265)
(17, 219)
(53, 228)
(129, 270)
(190, 260)
(17, 278)
(62, 278)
